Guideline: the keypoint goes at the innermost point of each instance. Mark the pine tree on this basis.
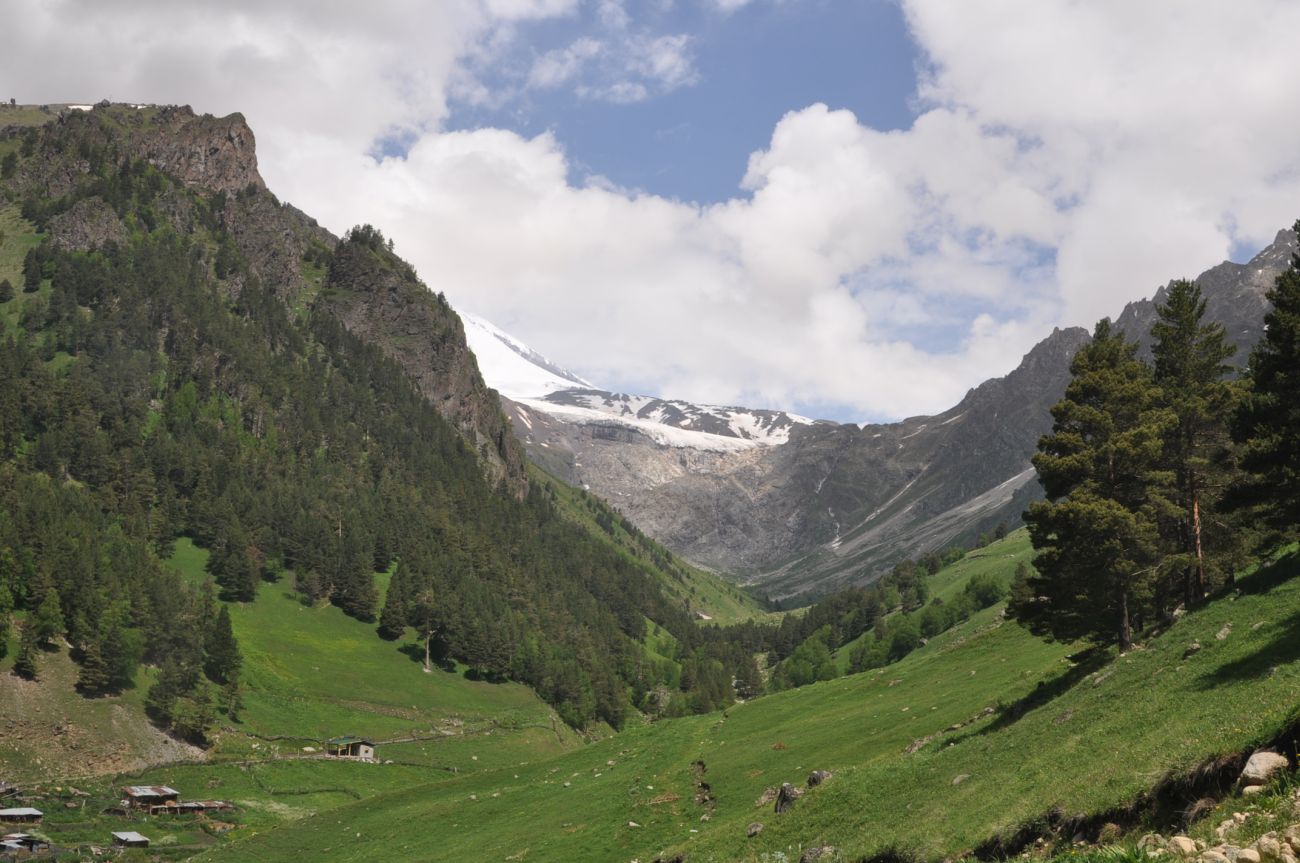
(93, 678)
(48, 620)
(392, 617)
(1096, 534)
(1267, 422)
(25, 663)
(1190, 369)
(221, 652)
(232, 697)
(6, 607)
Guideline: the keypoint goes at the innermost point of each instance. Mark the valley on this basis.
(258, 494)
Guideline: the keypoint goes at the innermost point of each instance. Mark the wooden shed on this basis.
(151, 797)
(130, 839)
(351, 747)
(21, 815)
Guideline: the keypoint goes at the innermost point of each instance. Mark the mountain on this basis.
(796, 508)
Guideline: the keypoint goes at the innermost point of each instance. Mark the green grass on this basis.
(1083, 747)
(26, 115)
(313, 673)
(17, 236)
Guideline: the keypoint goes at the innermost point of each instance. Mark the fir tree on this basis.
(48, 620)
(25, 663)
(1190, 369)
(93, 678)
(6, 607)
(1096, 534)
(221, 652)
(1267, 423)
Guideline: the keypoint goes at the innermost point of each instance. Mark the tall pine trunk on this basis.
(1125, 628)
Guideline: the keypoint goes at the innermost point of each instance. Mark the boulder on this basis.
(823, 852)
(1192, 649)
(768, 795)
(817, 777)
(1248, 855)
(1262, 767)
(753, 829)
(1252, 790)
(1269, 847)
(1182, 846)
(1213, 855)
(786, 797)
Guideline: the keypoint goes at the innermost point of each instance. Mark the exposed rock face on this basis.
(379, 298)
(838, 504)
(205, 152)
(89, 224)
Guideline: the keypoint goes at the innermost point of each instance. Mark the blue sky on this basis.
(753, 65)
(929, 186)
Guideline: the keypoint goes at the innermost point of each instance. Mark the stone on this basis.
(960, 778)
(1262, 767)
(1269, 847)
(753, 829)
(1291, 835)
(1222, 634)
(768, 795)
(1252, 790)
(817, 777)
(1192, 649)
(823, 852)
(1213, 855)
(1182, 846)
(1248, 855)
(786, 797)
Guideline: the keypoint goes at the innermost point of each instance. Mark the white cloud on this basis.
(1067, 158)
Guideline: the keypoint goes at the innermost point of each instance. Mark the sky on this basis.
(854, 209)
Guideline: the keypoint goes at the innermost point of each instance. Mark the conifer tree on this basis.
(48, 620)
(6, 607)
(1191, 369)
(221, 653)
(93, 678)
(1096, 534)
(1268, 421)
(25, 663)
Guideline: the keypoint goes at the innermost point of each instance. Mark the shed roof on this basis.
(130, 836)
(20, 811)
(151, 791)
(348, 739)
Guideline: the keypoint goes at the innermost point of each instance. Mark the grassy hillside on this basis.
(701, 592)
(1081, 739)
(311, 673)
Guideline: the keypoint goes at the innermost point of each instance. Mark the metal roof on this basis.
(151, 791)
(348, 739)
(20, 811)
(130, 836)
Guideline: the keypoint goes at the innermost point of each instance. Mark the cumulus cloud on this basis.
(1065, 158)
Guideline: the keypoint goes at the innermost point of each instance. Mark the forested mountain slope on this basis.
(186, 356)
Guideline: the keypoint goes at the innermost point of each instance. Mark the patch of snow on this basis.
(511, 367)
(664, 435)
(954, 419)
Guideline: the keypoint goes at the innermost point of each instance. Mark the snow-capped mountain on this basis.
(535, 384)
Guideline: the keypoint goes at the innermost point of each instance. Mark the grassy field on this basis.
(314, 673)
(1082, 737)
(17, 235)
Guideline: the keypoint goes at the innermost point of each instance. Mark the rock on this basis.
(1192, 649)
(753, 829)
(1248, 855)
(1213, 855)
(1182, 846)
(1269, 847)
(1148, 842)
(768, 795)
(1222, 634)
(786, 797)
(824, 852)
(633, 824)
(1291, 835)
(817, 777)
(960, 778)
(1109, 834)
(1252, 790)
(1262, 767)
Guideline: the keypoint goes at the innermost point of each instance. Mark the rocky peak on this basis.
(217, 154)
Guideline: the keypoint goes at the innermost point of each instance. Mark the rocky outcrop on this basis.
(88, 225)
(378, 297)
